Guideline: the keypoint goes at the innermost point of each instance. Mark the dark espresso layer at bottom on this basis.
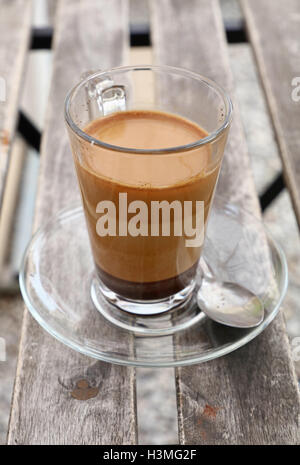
(148, 291)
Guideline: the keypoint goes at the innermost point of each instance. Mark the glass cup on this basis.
(146, 209)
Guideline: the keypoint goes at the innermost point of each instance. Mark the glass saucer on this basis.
(57, 273)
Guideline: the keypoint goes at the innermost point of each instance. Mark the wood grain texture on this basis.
(250, 396)
(15, 22)
(49, 403)
(274, 32)
(51, 8)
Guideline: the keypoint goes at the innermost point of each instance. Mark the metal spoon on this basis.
(228, 303)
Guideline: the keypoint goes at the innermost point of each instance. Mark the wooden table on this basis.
(254, 390)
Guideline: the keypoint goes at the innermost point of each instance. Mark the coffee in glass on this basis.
(147, 165)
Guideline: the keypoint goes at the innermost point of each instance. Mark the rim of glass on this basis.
(164, 68)
(192, 359)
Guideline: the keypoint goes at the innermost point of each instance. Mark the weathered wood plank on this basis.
(15, 22)
(250, 396)
(51, 7)
(274, 31)
(89, 34)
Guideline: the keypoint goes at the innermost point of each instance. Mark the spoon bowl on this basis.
(229, 304)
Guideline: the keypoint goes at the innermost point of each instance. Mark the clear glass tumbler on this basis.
(147, 208)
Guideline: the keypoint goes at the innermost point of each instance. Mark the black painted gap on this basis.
(272, 191)
(29, 131)
(41, 37)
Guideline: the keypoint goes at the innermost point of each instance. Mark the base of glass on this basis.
(157, 318)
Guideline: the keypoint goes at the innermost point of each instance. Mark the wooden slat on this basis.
(250, 396)
(274, 31)
(51, 7)
(89, 34)
(9, 206)
(15, 22)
